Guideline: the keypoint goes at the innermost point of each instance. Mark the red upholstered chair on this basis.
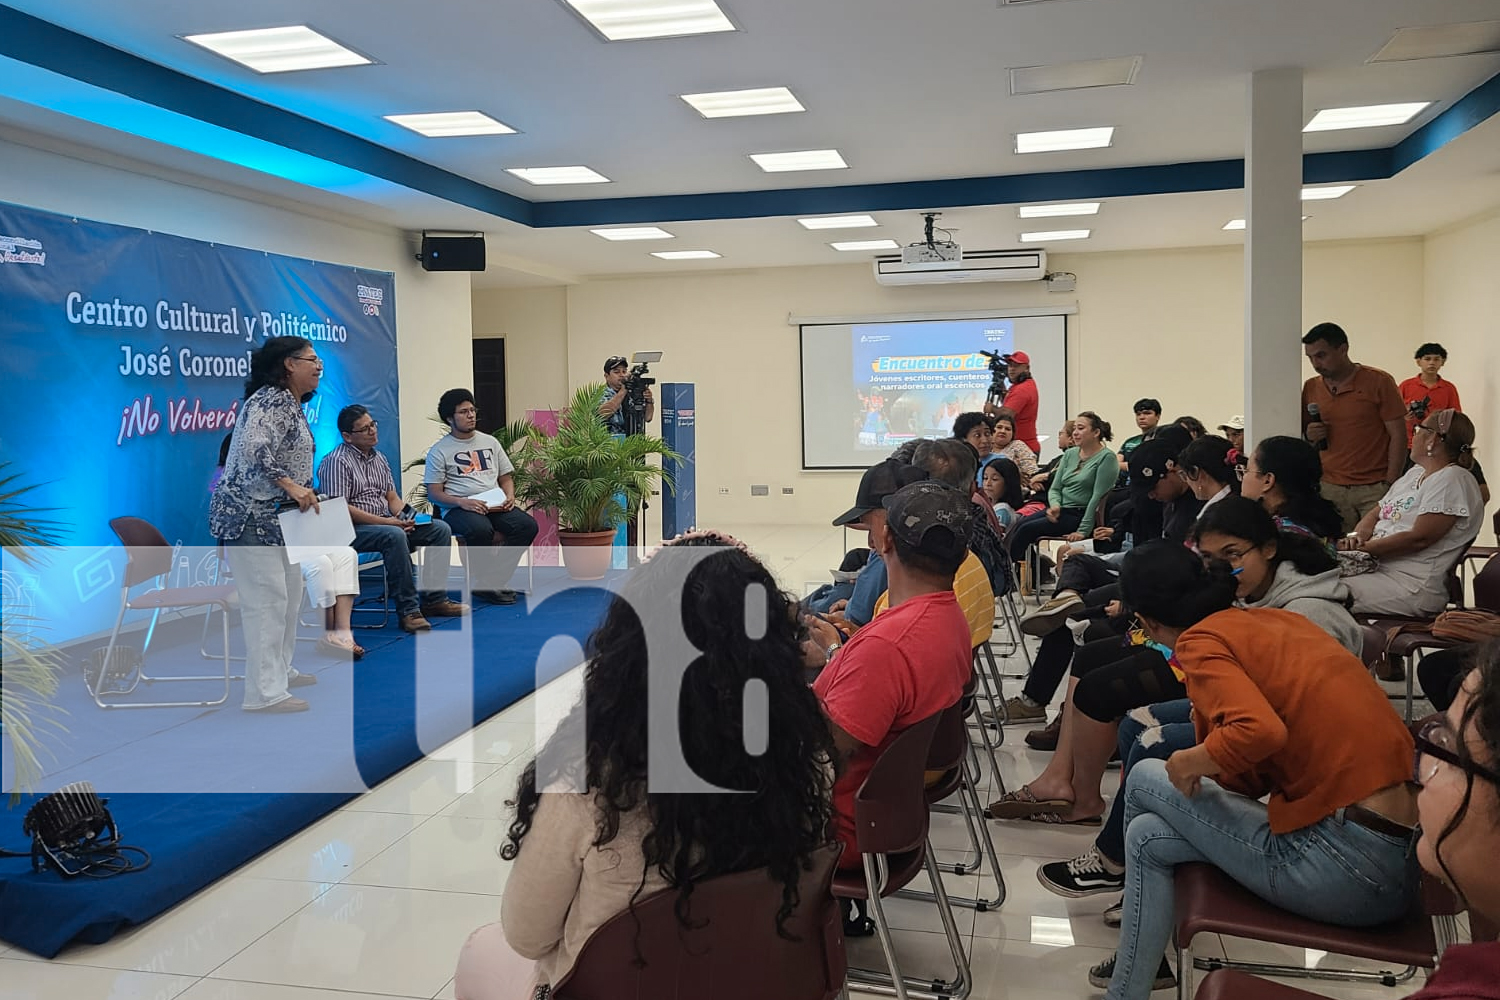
(1226, 984)
(1210, 902)
(732, 951)
(118, 671)
(1481, 553)
(891, 823)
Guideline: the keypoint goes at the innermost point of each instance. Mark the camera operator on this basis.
(1021, 399)
(616, 376)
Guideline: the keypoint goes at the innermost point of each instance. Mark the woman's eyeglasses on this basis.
(1436, 744)
(314, 359)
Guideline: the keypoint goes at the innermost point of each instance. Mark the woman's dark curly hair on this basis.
(268, 362)
(1481, 722)
(777, 814)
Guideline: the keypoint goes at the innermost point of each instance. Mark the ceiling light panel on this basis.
(443, 124)
(1055, 236)
(807, 159)
(1074, 75)
(739, 103)
(633, 233)
(1326, 193)
(1366, 116)
(685, 254)
(1068, 138)
(839, 222)
(279, 50)
(558, 175)
(849, 246)
(624, 20)
(1439, 41)
(1058, 211)
(1235, 224)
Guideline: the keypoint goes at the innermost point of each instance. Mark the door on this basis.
(489, 382)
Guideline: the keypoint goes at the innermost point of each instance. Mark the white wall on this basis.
(1463, 314)
(1162, 323)
(432, 310)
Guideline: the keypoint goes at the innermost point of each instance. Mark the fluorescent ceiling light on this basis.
(1056, 235)
(558, 175)
(1057, 211)
(1326, 193)
(1234, 224)
(441, 124)
(839, 222)
(1368, 116)
(806, 159)
(633, 233)
(736, 103)
(622, 20)
(1068, 138)
(279, 50)
(1440, 41)
(685, 254)
(848, 245)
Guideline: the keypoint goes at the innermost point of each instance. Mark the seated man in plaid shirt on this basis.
(384, 523)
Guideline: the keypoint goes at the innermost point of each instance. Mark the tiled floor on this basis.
(376, 898)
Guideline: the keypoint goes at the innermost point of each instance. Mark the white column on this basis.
(1273, 255)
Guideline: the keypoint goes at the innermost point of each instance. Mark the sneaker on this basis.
(1050, 616)
(1078, 627)
(301, 681)
(1046, 739)
(1017, 709)
(1101, 974)
(1086, 875)
(444, 609)
(414, 622)
(1114, 913)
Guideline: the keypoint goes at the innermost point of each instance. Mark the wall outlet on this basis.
(760, 491)
(786, 491)
(723, 491)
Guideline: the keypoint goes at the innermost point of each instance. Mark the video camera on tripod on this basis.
(636, 382)
(998, 370)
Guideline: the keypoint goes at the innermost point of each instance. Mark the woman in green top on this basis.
(1084, 477)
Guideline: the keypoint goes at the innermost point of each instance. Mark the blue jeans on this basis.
(1035, 527)
(492, 566)
(1333, 871)
(1172, 731)
(395, 546)
(867, 590)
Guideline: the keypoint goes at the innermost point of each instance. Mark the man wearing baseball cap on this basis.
(868, 514)
(910, 662)
(1021, 398)
(612, 408)
(1234, 430)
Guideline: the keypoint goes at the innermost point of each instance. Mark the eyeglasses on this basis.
(1436, 741)
(1232, 556)
(365, 429)
(303, 357)
(467, 411)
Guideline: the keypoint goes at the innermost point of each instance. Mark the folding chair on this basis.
(148, 557)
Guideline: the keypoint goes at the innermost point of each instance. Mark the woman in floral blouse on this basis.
(269, 470)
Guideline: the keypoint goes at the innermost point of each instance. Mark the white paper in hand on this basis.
(308, 534)
(493, 498)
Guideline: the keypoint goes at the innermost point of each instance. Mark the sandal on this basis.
(1022, 804)
(330, 646)
(1055, 819)
(856, 924)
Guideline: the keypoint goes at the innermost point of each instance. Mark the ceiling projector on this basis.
(932, 253)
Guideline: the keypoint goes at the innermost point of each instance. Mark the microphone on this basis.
(1317, 417)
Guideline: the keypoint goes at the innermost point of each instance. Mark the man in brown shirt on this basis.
(1355, 416)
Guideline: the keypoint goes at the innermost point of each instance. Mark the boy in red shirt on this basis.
(910, 662)
(1428, 391)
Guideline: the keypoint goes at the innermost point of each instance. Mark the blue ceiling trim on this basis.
(40, 43)
(43, 44)
(1474, 107)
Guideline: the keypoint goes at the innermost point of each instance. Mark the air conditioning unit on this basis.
(975, 265)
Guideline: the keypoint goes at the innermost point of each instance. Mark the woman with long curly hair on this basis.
(594, 834)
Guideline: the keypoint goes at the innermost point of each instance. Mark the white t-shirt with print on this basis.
(469, 466)
(1450, 490)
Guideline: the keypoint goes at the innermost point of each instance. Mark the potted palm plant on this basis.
(29, 666)
(592, 480)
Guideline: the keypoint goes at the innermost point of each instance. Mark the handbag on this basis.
(1356, 562)
(1467, 626)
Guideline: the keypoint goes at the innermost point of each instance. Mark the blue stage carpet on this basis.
(206, 790)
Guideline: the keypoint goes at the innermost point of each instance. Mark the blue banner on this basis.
(679, 510)
(125, 354)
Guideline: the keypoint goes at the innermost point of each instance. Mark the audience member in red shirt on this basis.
(1021, 399)
(910, 662)
(1427, 391)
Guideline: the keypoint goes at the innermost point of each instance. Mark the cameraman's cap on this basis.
(1016, 358)
(1147, 405)
(932, 517)
(878, 482)
(1234, 423)
(614, 363)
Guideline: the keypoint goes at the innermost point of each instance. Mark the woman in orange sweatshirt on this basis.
(1281, 710)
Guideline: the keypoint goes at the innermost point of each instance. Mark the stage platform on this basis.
(206, 790)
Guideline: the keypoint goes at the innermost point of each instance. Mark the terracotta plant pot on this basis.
(587, 555)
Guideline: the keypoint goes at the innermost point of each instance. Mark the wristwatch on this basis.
(832, 648)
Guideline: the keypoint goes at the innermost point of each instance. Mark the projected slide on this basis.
(867, 387)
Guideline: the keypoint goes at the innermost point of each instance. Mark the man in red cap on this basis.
(1021, 398)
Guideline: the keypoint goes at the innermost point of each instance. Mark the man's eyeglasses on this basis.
(368, 428)
(1437, 744)
(466, 411)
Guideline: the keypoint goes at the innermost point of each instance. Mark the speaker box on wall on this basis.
(452, 253)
